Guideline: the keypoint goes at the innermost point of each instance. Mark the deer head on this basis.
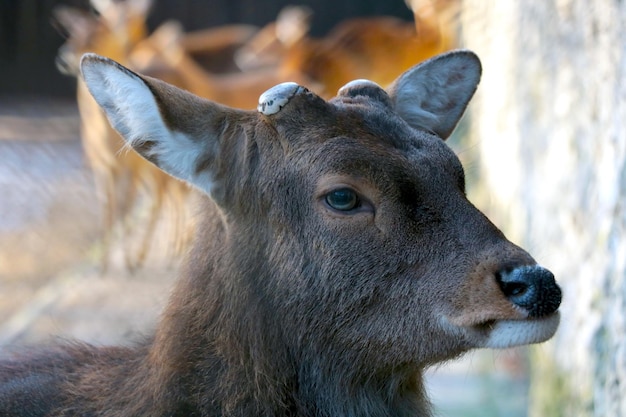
(339, 232)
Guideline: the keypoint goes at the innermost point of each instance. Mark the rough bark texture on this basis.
(549, 125)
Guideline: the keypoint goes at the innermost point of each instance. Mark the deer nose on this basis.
(532, 288)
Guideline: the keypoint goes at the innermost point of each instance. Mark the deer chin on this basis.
(509, 333)
(502, 334)
(506, 333)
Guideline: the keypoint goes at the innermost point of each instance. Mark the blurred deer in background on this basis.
(121, 177)
(374, 48)
(268, 46)
(439, 15)
(214, 49)
(164, 48)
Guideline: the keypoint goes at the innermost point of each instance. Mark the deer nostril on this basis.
(532, 288)
(514, 289)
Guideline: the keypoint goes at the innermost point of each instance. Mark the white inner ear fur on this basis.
(133, 111)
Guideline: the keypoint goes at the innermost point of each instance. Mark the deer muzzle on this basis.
(533, 290)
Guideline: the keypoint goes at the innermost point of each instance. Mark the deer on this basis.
(165, 48)
(337, 257)
(215, 48)
(268, 46)
(123, 180)
(375, 48)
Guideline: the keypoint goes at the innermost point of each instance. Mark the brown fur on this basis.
(289, 305)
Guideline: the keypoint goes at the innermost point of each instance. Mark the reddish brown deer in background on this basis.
(237, 89)
(367, 47)
(337, 257)
(376, 48)
(121, 178)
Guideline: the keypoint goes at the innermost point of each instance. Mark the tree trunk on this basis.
(549, 124)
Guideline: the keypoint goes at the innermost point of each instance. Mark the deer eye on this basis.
(343, 199)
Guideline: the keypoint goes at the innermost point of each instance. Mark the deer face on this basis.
(348, 217)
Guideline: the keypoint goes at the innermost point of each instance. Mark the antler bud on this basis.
(273, 100)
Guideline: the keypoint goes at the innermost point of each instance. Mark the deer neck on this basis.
(226, 354)
(238, 356)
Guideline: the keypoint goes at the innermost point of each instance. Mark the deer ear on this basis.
(433, 95)
(174, 129)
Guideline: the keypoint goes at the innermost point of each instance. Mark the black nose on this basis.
(532, 288)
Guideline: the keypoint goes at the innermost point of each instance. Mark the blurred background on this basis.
(90, 235)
